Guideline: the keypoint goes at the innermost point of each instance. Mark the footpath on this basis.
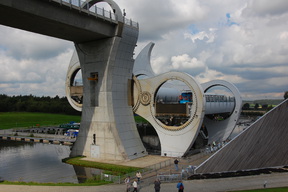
(208, 185)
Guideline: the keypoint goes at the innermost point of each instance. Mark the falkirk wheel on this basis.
(213, 116)
(114, 87)
(175, 139)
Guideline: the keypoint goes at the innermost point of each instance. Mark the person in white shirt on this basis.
(135, 186)
(139, 176)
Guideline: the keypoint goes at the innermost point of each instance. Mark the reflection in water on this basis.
(38, 162)
(83, 173)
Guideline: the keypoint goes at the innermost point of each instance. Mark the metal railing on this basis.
(160, 165)
(113, 178)
(169, 177)
(131, 23)
(173, 154)
(173, 177)
(95, 11)
(148, 170)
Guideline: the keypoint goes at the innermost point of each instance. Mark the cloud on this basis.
(266, 7)
(243, 41)
(191, 65)
(156, 18)
(210, 75)
(158, 63)
(40, 69)
(20, 44)
(210, 36)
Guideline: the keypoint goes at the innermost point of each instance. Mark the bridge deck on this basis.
(59, 19)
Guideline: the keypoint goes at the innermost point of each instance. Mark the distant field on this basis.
(11, 120)
(273, 102)
(27, 120)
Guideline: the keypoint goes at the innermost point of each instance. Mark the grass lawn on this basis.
(109, 168)
(9, 120)
(89, 183)
(27, 120)
(139, 119)
(281, 189)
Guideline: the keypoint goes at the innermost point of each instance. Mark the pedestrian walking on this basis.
(157, 184)
(139, 176)
(176, 164)
(135, 186)
(127, 182)
(180, 186)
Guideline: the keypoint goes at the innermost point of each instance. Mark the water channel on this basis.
(38, 162)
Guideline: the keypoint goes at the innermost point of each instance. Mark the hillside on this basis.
(272, 102)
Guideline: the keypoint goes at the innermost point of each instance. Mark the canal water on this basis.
(38, 162)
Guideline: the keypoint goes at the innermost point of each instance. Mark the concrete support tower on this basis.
(108, 129)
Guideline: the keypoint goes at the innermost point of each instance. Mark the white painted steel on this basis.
(217, 130)
(73, 67)
(220, 130)
(175, 140)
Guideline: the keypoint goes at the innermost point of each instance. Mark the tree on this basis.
(256, 106)
(286, 95)
(30, 103)
(265, 106)
(246, 106)
(269, 107)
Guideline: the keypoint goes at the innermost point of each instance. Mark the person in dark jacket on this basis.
(176, 161)
(157, 184)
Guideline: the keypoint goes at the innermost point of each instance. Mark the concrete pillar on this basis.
(108, 129)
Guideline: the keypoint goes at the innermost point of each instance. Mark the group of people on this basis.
(157, 184)
(180, 185)
(134, 183)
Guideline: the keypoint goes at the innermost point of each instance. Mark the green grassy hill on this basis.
(11, 120)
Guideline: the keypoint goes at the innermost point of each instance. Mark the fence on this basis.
(113, 178)
(96, 11)
(169, 178)
(160, 165)
(148, 170)
(163, 177)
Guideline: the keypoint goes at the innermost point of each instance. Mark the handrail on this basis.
(95, 11)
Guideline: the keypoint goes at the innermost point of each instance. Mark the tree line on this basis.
(262, 104)
(30, 103)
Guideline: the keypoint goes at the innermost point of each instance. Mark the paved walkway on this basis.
(208, 185)
(228, 184)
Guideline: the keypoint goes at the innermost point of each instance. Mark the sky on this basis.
(244, 42)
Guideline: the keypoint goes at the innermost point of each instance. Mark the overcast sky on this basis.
(242, 41)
